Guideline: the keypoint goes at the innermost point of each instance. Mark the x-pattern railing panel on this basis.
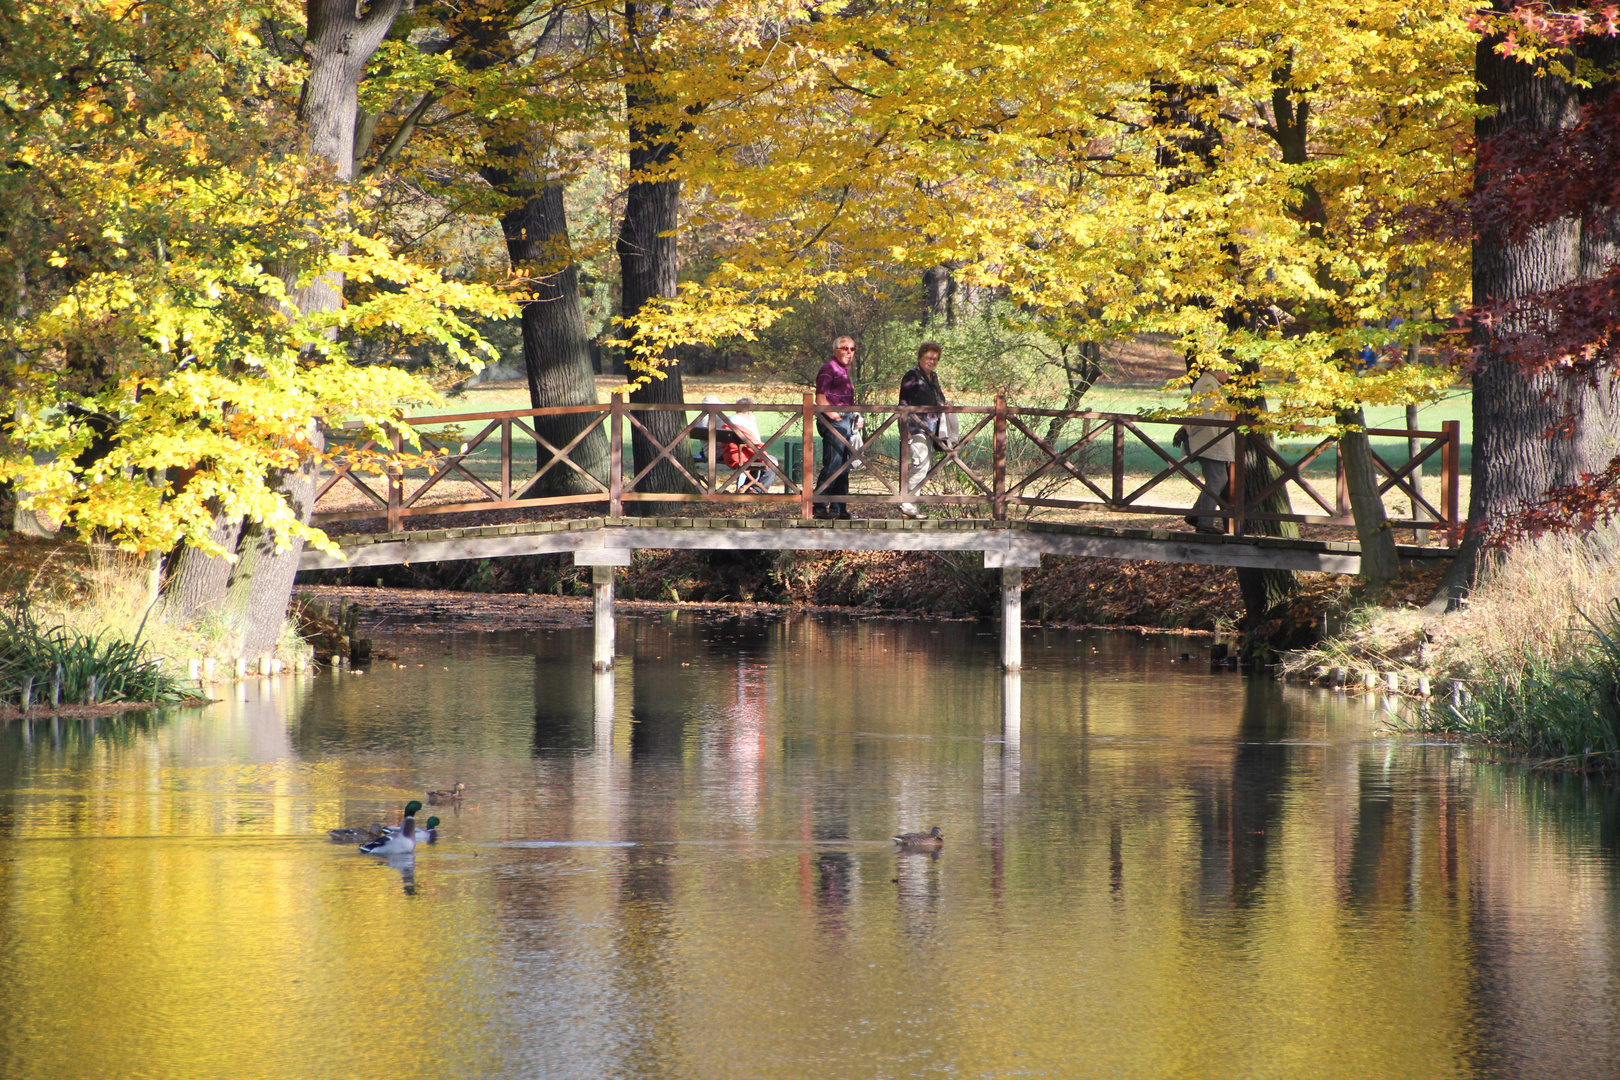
(1002, 458)
(453, 463)
(1178, 465)
(563, 455)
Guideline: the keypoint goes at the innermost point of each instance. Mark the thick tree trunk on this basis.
(261, 581)
(253, 595)
(1265, 590)
(196, 580)
(556, 344)
(1515, 460)
(1379, 561)
(648, 259)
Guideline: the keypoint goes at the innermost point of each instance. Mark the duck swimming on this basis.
(434, 798)
(357, 836)
(921, 841)
(402, 842)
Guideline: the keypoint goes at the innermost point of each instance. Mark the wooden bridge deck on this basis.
(600, 541)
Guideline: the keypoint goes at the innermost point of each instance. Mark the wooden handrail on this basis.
(1024, 469)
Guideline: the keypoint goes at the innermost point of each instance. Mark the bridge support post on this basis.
(602, 561)
(1012, 618)
(602, 619)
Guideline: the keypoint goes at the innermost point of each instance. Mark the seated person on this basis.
(748, 450)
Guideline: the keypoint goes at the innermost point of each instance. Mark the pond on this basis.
(1151, 869)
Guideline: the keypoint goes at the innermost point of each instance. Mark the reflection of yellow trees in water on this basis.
(1168, 875)
(196, 959)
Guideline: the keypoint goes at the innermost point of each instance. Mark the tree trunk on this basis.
(1081, 370)
(261, 581)
(648, 266)
(340, 42)
(1291, 117)
(1515, 460)
(556, 346)
(196, 580)
(1198, 140)
(1265, 590)
(1379, 562)
(939, 291)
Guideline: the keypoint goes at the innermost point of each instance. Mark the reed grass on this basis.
(1537, 645)
(1566, 710)
(53, 665)
(92, 609)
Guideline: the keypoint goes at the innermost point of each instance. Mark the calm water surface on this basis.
(1150, 871)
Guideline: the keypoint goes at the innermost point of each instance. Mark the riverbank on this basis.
(1534, 653)
(88, 617)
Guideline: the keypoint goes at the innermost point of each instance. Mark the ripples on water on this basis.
(1154, 871)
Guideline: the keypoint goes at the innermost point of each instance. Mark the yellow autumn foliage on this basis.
(158, 365)
(1032, 148)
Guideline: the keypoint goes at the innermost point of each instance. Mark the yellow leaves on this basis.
(699, 313)
(181, 221)
(1029, 151)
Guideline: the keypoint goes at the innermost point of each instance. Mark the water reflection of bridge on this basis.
(1063, 471)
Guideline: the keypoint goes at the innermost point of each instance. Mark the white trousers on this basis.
(920, 450)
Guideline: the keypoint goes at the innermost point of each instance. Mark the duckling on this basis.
(402, 842)
(931, 840)
(357, 836)
(434, 798)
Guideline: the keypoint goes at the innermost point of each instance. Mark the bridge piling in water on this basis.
(602, 618)
(1012, 618)
(602, 562)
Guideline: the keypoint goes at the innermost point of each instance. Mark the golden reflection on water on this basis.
(682, 871)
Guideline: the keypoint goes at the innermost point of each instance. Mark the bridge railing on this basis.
(1006, 460)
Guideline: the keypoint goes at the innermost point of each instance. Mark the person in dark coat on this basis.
(920, 387)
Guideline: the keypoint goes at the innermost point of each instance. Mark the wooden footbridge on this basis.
(1009, 464)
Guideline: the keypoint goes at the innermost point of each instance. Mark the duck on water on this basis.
(402, 842)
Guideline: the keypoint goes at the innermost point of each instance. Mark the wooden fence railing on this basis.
(1004, 458)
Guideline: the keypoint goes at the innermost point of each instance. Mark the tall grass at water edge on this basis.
(90, 610)
(1538, 645)
(47, 665)
(1566, 710)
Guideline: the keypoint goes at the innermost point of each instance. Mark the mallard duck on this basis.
(428, 833)
(402, 842)
(921, 841)
(357, 836)
(453, 795)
